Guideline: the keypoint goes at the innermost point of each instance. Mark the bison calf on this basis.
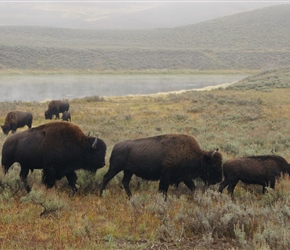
(16, 119)
(261, 170)
(59, 148)
(66, 116)
(171, 159)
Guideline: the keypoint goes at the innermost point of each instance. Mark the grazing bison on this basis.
(66, 116)
(16, 119)
(169, 158)
(261, 170)
(55, 107)
(59, 148)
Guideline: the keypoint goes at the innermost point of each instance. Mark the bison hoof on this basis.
(28, 189)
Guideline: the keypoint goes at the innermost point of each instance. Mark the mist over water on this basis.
(43, 88)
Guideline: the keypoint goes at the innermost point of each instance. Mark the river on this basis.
(29, 88)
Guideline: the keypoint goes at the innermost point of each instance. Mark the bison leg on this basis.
(107, 177)
(13, 129)
(223, 185)
(189, 184)
(23, 176)
(164, 183)
(271, 184)
(126, 180)
(231, 188)
(72, 179)
(29, 124)
(48, 177)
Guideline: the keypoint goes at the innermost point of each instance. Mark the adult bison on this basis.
(66, 116)
(261, 170)
(170, 158)
(16, 119)
(59, 148)
(55, 107)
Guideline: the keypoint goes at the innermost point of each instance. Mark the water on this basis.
(47, 87)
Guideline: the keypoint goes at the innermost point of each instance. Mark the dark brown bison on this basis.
(55, 107)
(66, 116)
(261, 170)
(59, 148)
(169, 158)
(16, 119)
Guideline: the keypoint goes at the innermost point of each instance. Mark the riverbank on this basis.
(208, 88)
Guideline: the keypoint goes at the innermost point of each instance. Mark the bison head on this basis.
(212, 167)
(99, 148)
(5, 128)
(47, 115)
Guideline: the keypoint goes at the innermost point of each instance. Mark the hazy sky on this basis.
(120, 14)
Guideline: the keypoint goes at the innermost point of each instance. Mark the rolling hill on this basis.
(264, 80)
(253, 40)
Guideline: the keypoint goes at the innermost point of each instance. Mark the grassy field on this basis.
(239, 121)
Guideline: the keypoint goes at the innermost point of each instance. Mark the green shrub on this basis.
(49, 203)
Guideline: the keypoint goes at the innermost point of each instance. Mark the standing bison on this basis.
(169, 158)
(55, 107)
(261, 170)
(16, 119)
(66, 116)
(59, 148)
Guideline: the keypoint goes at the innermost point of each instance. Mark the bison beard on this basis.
(59, 148)
(169, 158)
(261, 170)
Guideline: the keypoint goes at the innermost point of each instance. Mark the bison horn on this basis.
(212, 155)
(94, 145)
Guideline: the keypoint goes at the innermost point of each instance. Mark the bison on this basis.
(66, 116)
(171, 159)
(16, 119)
(55, 107)
(261, 170)
(58, 148)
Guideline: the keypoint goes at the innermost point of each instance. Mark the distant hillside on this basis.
(254, 40)
(265, 80)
